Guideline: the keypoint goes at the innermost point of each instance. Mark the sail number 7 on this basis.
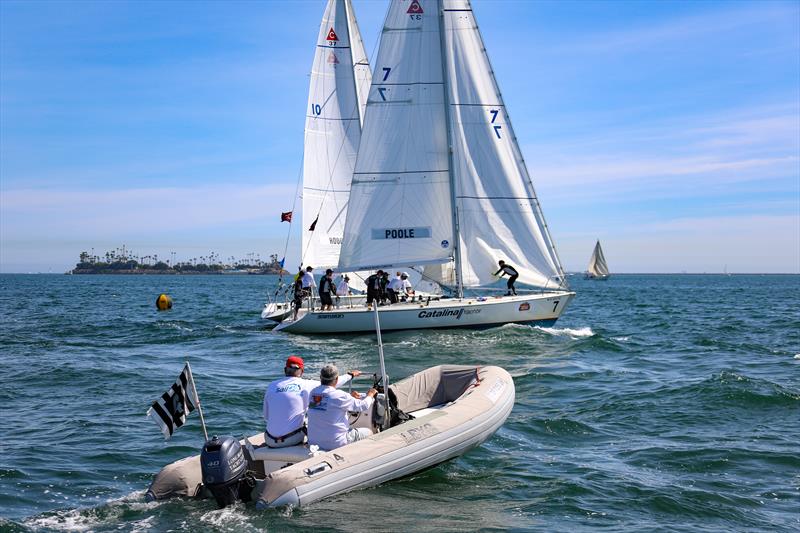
(555, 306)
(497, 128)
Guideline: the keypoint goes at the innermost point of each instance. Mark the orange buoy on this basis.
(163, 302)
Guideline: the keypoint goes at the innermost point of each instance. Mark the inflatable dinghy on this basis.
(452, 410)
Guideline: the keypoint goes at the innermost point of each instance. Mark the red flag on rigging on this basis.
(286, 217)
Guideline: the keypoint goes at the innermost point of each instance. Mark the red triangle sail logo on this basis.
(415, 8)
(332, 36)
(333, 59)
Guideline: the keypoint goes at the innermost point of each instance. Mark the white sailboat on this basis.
(598, 268)
(337, 97)
(440, 181)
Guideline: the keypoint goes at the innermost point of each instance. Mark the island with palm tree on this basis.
(123, 261)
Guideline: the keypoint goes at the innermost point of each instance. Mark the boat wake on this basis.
(94, 518)
(578, 333)
(231, 518)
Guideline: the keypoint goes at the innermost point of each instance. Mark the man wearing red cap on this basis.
(286, 404)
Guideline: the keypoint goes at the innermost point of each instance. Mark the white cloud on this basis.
(747, 144)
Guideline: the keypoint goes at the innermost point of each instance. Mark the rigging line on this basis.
(294, 203)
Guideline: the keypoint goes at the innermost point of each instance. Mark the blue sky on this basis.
(669, 130)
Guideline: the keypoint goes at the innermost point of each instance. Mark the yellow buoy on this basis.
(163, 302)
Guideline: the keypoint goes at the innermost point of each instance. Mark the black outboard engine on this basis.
(224, 469)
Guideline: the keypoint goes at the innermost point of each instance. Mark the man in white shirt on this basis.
(394, 288)
(309, 285)
(328, 427)
(286, 403)
(405, 286)
(308, 279)
(342, 289)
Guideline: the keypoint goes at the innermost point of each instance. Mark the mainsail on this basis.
(597, 263)
(338, 90)
(440, 176)
(399, 212)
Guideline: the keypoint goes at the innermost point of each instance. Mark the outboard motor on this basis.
(224, 469)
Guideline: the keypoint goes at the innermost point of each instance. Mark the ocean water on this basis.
(657, 402)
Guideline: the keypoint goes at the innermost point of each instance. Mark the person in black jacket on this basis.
(327, 290)
(373, 286)
(512, 276)
(299, 294)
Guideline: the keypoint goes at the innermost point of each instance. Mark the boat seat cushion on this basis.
(436, 385)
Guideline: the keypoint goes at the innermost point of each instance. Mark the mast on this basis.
(453, 205)
(353, 61)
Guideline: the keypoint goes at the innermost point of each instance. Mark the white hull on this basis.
(276, 311)
(436, 434)
(413, 446)
(542, 308)
(279, 311)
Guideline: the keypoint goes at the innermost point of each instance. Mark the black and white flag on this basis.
(170, 411)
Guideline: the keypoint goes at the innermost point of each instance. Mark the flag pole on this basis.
(197, 399)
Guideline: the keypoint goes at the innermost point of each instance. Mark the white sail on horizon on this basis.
(597, 263)
(340, 78)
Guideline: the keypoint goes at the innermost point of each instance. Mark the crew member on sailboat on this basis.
(326, 290)
(308, 280)
(512, 276)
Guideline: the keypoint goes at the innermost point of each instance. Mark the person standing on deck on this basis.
(299, 294)
(384, 281)
(512, 276)
(327, 290)
(342, 289)
(373, 286)
(309, 284)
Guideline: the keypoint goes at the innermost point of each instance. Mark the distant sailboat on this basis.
(598, 268)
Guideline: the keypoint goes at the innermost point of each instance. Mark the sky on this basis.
(668, 130)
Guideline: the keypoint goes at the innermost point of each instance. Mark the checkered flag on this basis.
(171, 409)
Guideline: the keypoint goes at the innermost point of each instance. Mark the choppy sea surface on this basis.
(657, 402)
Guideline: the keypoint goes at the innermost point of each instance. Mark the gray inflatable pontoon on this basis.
(454, 409)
